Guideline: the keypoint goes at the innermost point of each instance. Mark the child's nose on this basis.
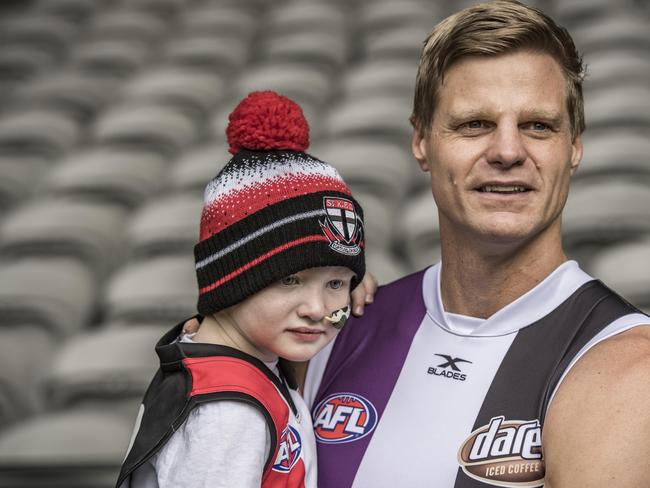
(313, 305)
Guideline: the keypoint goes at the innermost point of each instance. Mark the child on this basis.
(281, 246)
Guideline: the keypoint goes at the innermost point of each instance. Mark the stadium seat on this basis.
(107, 364)
(615, 107)
(383, 118)
(196, 92)
(84, 230)
(606, 211)
(418, 229)
(21, 63)
(149, 126)
(104, 174)
(400, 43)
(576, 12)
(210, 18)
(390, 78)
(20, 175)
(74, 10)
(323, 51)
(379, 220)
(619, 30)
(56, 294)
(22, 369)
(612, 153)
(39, 131)
(306, 17)
(166, 225)
(625, 267)
(219, 53)
(80, 448)
(80, 94)
(379, 17)
(379, 168)
(192, 171)
(115, 58)
(385, 266)
(50, 34)
(616, 69)
(161, 289)
(124, 23)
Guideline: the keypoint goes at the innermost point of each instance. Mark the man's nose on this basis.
(507, 146)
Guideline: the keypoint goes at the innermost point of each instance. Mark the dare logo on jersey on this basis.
(344, 417)
(289, 450)
(504, 453)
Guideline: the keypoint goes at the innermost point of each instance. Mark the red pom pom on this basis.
(267, 121)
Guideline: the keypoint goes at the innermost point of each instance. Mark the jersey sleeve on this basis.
(221, 444)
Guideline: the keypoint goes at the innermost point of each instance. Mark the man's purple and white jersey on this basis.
(412, 396)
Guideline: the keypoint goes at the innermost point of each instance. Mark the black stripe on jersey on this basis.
(540, 354)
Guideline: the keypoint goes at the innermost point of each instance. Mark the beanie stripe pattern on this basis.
(273, 210)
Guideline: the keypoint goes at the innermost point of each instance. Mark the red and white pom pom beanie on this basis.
(273, 210)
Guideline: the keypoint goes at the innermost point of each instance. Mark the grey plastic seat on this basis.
(615, 153)
(617, 68)
(26, 351)
(379, 16)
(577, 12)
(307, 87)
(146, 126)
(110, 363)
(209, 18)
(385, 266)
(19, 63)
(56, 294)
(73, 10)
(167, 225)
(326, 51)
(192, 171)
(78, 93)
(222, 54)
(602, 212)
(308, 17)
(620, 30)
(399, 43)
(20, 176)
(125, 23)
(379, 117)
(117, 58)
(39, 131)
(618, 108)
(391, 78)
(105, 174)
(418, 229)
(84, 230)
(48, 33)
(80, 448)
(194, 91)
(380, 168)
(625, 268)
(379, 221)
(159, 289)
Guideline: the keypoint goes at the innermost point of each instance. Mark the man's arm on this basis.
(597, 432)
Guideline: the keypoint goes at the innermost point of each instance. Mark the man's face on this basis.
(500, 151)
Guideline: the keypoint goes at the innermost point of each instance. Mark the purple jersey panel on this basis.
(361, 373)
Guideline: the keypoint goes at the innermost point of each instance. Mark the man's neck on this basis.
(479, 284)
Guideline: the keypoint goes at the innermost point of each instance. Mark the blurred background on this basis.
(112, 119)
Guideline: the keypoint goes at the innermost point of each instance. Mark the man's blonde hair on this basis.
(492, 29)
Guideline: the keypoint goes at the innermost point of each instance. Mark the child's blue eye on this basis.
(289, 280)
(335, 284)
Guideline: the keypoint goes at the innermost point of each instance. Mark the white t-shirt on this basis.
(224, 444)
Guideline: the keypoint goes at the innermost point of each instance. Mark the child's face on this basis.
(287, 319)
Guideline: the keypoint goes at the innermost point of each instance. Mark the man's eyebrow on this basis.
(552, 117)
(457, 117)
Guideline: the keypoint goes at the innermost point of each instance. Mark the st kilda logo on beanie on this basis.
(342, 226)
(504, 453)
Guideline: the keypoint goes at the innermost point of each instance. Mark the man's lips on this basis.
(506, 188)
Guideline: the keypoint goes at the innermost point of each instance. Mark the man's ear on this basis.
(419, 149)
(576, 154)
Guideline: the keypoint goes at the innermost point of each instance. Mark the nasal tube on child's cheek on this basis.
(339, 317)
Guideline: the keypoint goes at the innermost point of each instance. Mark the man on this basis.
(505, 365)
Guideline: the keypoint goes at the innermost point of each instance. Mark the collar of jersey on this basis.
(527, 309)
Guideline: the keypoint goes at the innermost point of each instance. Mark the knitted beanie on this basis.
(273, 210)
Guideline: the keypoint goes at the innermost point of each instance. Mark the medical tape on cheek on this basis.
(339, 317)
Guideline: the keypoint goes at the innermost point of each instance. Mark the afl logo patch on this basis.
(289, 450)
(344, 417)
(342, 226)
(504, 453)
